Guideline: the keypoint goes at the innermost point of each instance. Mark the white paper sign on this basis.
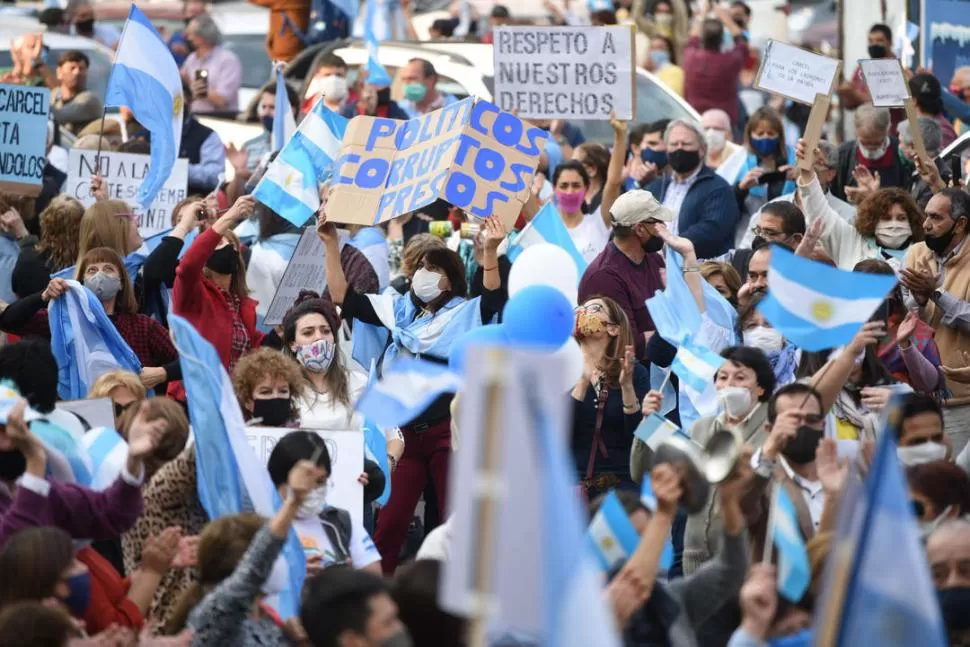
(346, 449)
(796, 73)
(305, 271)
(565, 72)
(97, 413)
(886, 83)
(124, 173)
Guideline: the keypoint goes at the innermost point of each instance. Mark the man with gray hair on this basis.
(872, 152)
(703, 204)
(932, 140)
(213, 73)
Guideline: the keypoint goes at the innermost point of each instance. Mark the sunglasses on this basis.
(121, 408)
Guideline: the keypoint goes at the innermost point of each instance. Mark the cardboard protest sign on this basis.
(470, 154)
(23, 138)
(123, 173)
(346, 449)
(796, 73)
(304, 271)
(566, 72)
(886, 83)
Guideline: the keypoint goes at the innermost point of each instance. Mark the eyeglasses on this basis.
(769, 233)
(813, 419)
(593, 309)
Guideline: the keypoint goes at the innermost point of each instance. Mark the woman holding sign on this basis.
(423, 322)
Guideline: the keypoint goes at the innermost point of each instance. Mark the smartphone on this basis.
(956, 170)
(772, 177)
(202, 75)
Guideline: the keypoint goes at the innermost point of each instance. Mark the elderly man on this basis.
(948, 553)
(213, 73)
(723, 155)
(930, 130)
(72, 104)
(421, 94)
(872, 152)
(937, 281)
(703, 204)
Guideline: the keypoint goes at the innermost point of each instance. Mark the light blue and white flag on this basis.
(406, 389)
(375, 445)
(348, 7)
(654, 429)
(600, 5)
(284, 125)
(230, 477)
(108, 453)
(649, 499)
(610, 536)
(85, 343)
(291, 185)
(878, 564)
(547, 227)
(696, 366)
(146, 79)
(377, 17)
(268, 260)
(372, 244)
(816, 306)
(794, 571)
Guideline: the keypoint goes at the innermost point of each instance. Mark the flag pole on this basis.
(770, 531)
(104, 112)
(488, 490)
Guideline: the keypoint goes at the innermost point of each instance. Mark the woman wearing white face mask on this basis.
(887, 222)
(938, 490)
(424, 323)
(327, 534)
(756, 332)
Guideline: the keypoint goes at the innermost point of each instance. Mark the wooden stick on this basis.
(770, 530)
(831, 621)
(913, 118)
(813, 130)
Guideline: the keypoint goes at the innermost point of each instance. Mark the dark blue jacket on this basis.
(709, 214)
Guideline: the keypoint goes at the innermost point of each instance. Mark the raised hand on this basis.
(627, 367)
(759, 600)
(160, 551)
(302, 479)
(495, 233)
(831, 470)
(144, 435)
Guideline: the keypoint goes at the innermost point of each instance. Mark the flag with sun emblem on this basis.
(816, 306)
(611, 536)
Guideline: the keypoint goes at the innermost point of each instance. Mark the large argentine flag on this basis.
(407, 388)
(547, 227)
(146, 79)
(376, 74)
(230, 478)
(291, 185)
(283, 123)
(611, 536)
(816, 306)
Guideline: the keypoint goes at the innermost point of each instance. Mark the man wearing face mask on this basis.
(648, 157)
(855, 93)
(81, 17)
(330, 82)
(874, 149)
(421, 95)
(723, 155)
(937, 281)
(246, 160)
(948, 551)
(921, 437)
(628, 268)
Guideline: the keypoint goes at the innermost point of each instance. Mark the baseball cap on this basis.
(634, 207)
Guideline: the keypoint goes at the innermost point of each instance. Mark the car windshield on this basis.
(251, 50)
(97, 72)
(653, 103)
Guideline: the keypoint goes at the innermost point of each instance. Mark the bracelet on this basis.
(489, 269)
(695, 268)
(632, 407)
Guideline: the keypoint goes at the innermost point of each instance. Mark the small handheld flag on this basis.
(547, 227)
(611, 536)
(283, 123)
(406, 389)
(696, 366)
(794, 571)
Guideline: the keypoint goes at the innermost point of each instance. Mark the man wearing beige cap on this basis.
(628, 269)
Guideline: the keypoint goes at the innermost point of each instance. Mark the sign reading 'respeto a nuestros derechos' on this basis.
(124, 172)
(470, 154)
(23, 138)
(566, 72)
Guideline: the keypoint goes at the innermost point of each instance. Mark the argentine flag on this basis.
(794, 572)
(146, 79)
(654, 429)
(696, 366)
(610, 535)
(291, 185)
(406, 389)
(376, 74)
(230, 478)
(547, 227)
(649, 500)
(816, 306)
(599, 5)
(283, 123)
(375, 445)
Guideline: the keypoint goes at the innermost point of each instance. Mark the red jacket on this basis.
(109, 602)
(200, 301)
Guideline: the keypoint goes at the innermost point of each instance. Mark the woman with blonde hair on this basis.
(123, 387)
(109, 223)
(56, 249)
(723, 278)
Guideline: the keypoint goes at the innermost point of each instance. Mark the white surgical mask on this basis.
(333, 88)
(892, 233)
(735, 401)
(920, 454)
(926, 528)
(424, 284)
(715, 139)
(767, 339)
(313, 504)
(871, 154)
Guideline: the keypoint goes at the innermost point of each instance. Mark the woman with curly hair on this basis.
(267, 384)
(887, 222)
(56, 249)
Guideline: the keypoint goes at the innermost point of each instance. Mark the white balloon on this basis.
(572, 363)
(545, 264)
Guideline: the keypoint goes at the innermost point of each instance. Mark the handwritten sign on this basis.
(886, 83)
(470, 154)
(99, 412)
(23, 138)
(346, 449)
(304, 271)
(124, 173)
(566, 72)
(796, 73)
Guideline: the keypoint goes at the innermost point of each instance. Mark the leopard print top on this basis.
(170, 500)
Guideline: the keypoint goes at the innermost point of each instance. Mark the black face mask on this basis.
(223, 260)
(655, 244)
(683, 161)
(12, 465)
(938, 244)
(877, 51)
(274, 412)
(955, 607)
(758, 242)
(85, 26)
(801, 449)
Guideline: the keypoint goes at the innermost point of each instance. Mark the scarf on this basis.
(845, 408)
(783, 363)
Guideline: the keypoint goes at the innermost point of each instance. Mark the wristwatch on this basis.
(765, 467)
(935, 296)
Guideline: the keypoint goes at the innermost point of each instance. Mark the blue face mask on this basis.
(80, 594)
(648, 155)
(660, 58)
(267, 122)
(764, 146)
(802, 638)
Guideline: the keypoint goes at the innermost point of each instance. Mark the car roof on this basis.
(240, 18)
(10, 29)
(113, 10)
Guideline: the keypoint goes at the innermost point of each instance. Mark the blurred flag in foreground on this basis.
(406, 389)
(284, 125)
(612, 538)
(794, 571)
(547, 227)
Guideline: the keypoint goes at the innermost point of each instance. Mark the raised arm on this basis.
(830, 379)
(614, 174)
(336, 279)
